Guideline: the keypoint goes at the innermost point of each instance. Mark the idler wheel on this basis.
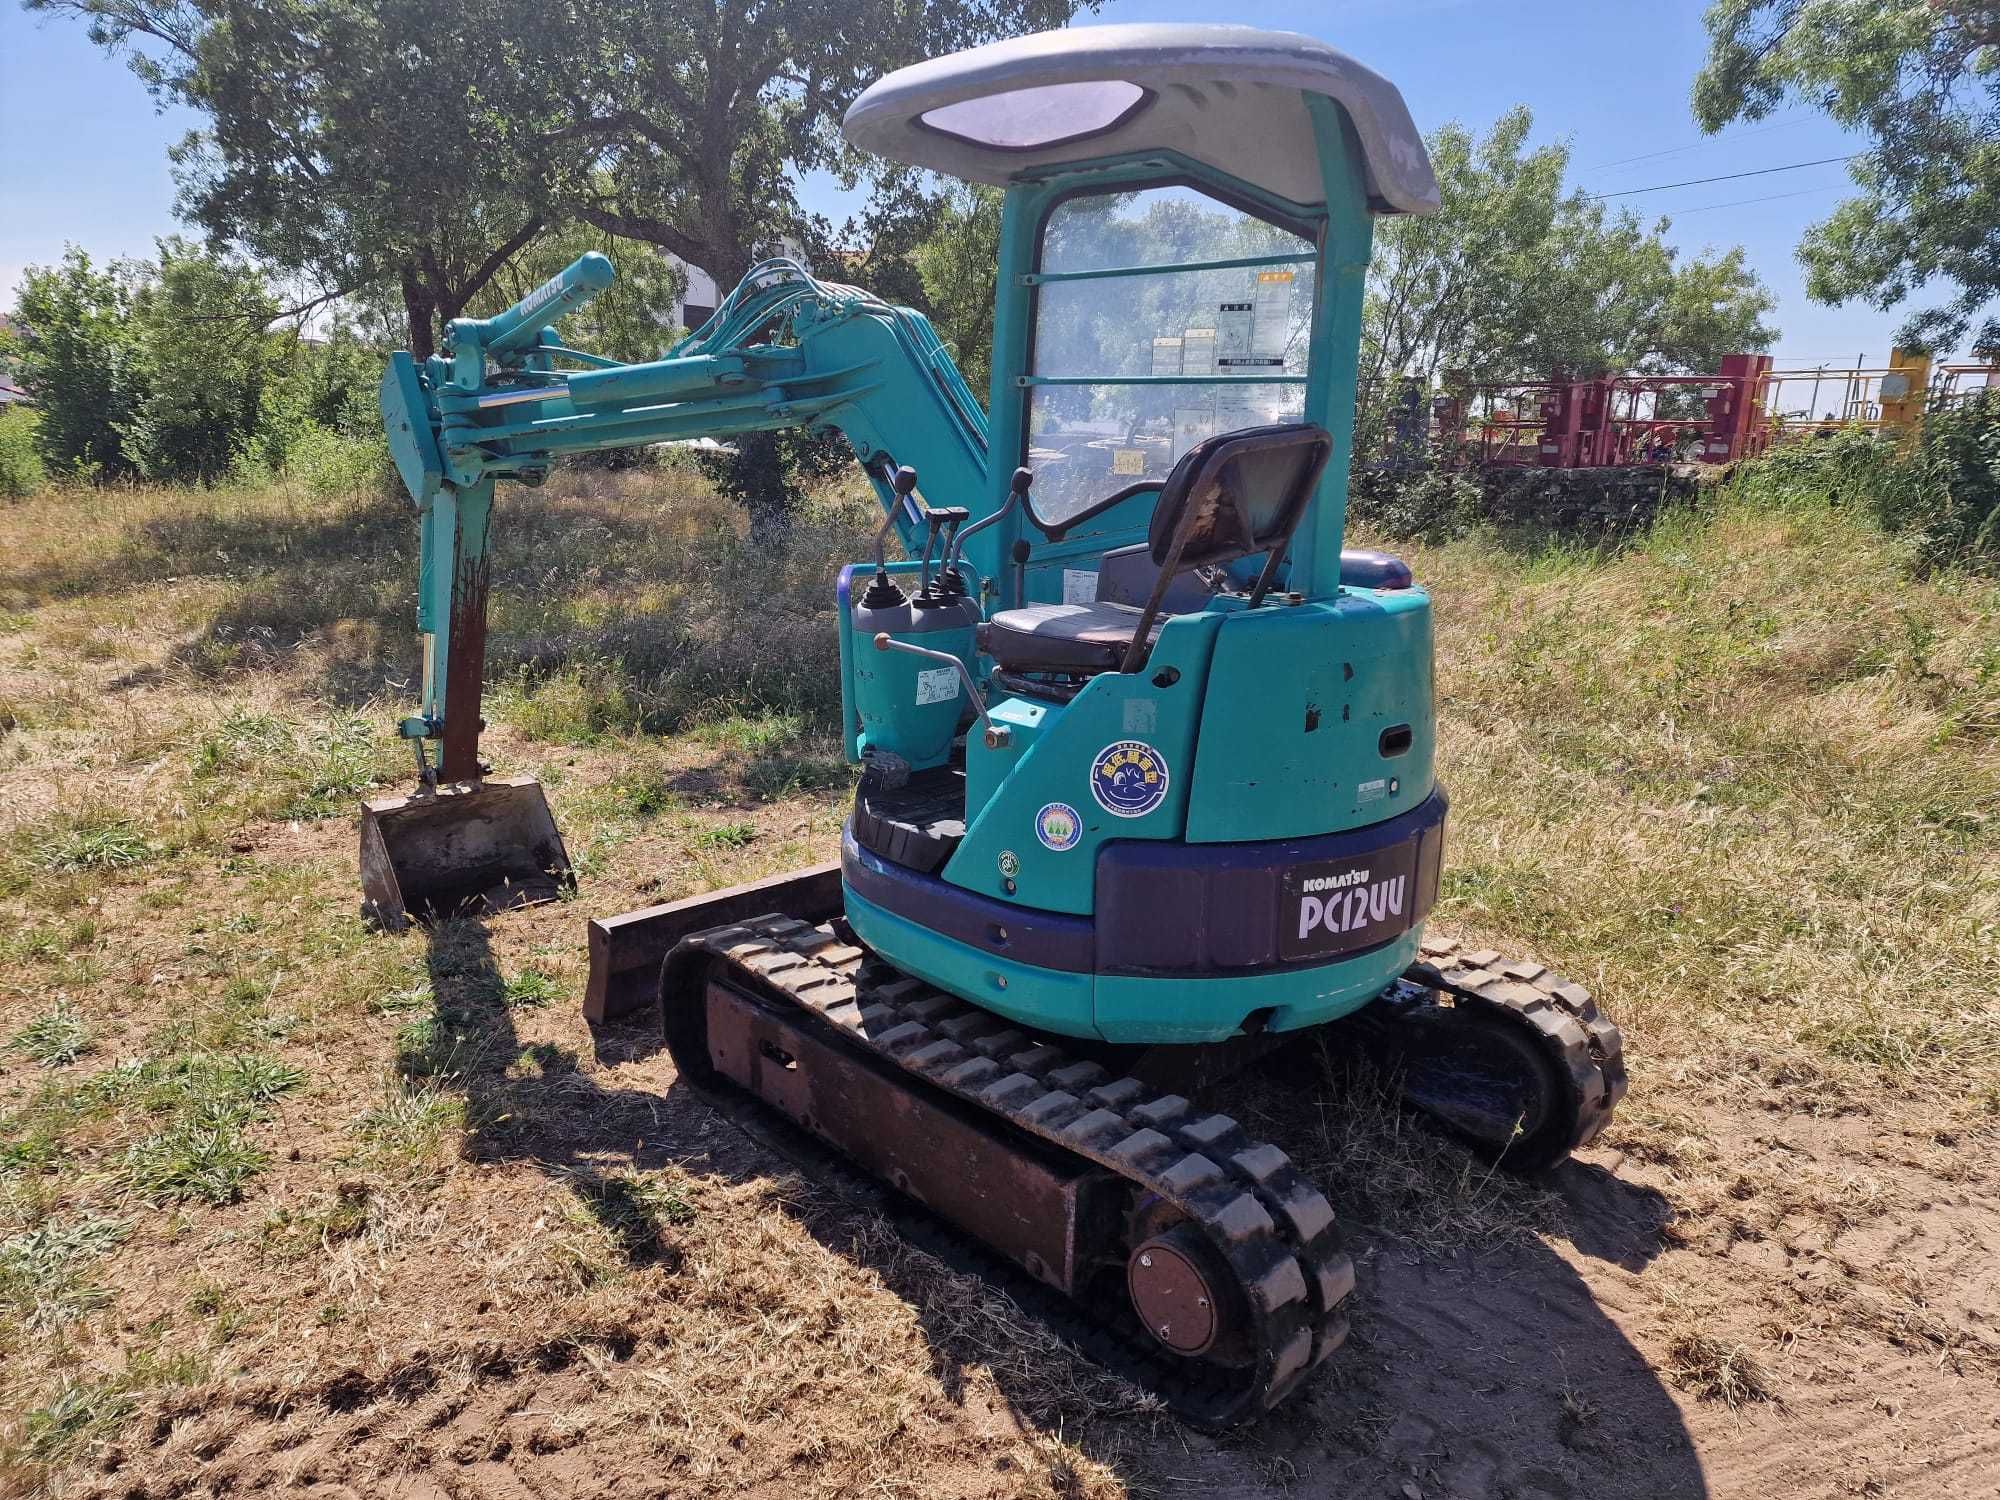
(1177, 1289)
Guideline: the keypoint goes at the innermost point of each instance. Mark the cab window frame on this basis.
(1309, 228)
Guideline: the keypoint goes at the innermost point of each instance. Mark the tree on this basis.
(1921, 78)
(1512, 278)
(361, 141)
(632, 319)
(203, 362)
(77, 355)
(702, 119)
(955, 261)
(706, 115)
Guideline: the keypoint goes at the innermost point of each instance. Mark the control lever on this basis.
(998, 736)
(1017, 494)
(945, 519)
(883, 593)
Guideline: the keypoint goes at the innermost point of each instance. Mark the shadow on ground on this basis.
(1493, 1372)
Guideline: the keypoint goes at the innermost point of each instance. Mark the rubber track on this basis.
(1584, 1042)
(1272, 1227)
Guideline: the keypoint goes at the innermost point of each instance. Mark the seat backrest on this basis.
(1238, 493)
(1231, 496)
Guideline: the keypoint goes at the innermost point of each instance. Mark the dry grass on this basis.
(1744, 777)
(271, 1183)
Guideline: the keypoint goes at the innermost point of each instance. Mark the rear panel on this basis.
(1318, 718)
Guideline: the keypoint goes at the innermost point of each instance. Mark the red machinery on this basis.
(1611, 420)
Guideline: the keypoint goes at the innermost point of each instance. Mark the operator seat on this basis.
(1230, 496)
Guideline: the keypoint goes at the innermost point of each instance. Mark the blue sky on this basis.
(83, 150)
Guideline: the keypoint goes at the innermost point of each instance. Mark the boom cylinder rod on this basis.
(495, 399)
(518, 327)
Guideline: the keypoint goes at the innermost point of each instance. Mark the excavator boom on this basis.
(507, 399)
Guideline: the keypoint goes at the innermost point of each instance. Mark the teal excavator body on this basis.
(1150, 306)
(1146, 755)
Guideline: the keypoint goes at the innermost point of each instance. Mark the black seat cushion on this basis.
(1064, 637)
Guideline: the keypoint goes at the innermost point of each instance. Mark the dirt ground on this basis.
(1592, 1356)
(293, 1207)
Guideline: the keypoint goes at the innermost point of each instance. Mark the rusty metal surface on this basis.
(626, 951)
(465, 666)
(972, 1171)
(459, 850)
(1270, 1232)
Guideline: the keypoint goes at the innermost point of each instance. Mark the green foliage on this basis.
(330, 465)
(769, 471)
(1431, 505)
(55, 1038)
(42, 1279)
(202, 1152)
(704, 161)
(631, 320)
(202, 364)
(530, 990)
(319, 424)
(166, 370)
(76, 351)
(21, 471)
(79, 1410)
(1941, 493)
(956, 261)
(413, 1124)
(331, 150)
(93, 841)
(1511, 279)
(1921, 79)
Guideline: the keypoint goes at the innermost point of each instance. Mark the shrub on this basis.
(330, 464)
(21, 472)
(1948, 497)
(1940, 492)
(770, 471)
(1430, 505)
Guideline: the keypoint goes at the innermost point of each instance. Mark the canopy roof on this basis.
(1229, 96)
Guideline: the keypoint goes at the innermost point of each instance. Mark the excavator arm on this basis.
(508, 398)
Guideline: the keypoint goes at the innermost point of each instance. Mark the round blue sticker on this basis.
(1129, 779)
(1059, 826)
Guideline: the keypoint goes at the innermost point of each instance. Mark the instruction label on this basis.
(936, 685)
(1079, 586)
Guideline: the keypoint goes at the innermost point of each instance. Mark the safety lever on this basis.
(997, 736)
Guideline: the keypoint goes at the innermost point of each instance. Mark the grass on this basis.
(77, 1411)
(105, 843)
(42, 1270)
(55, 1038)
(530, 989)
(1741, 777)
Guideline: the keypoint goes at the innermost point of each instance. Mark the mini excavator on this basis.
(1146, 788)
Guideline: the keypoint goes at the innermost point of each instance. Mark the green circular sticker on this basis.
(1010, 864)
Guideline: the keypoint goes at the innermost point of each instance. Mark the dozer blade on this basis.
(626, 951)
(461, 850)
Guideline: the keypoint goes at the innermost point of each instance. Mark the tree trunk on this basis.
(419, 311)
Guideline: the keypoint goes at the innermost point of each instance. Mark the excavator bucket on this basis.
(461, 850)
